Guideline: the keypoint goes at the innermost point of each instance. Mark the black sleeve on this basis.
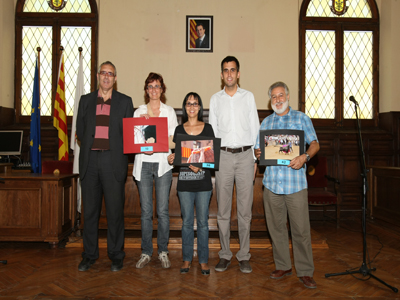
(178, 129)
(80, 119)
(130, 109)
(208, 130)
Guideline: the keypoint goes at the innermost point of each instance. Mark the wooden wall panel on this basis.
(7, 116)
(380, 146)
(390, 122)
(349, 170)
(381, 160)
(132, 207)
(339, 145)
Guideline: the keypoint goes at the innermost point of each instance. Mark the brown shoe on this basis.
(278, 274)
(308, 282)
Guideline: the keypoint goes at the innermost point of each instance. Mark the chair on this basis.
(57, 167)
(318, 192)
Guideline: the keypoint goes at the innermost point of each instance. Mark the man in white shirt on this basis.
(234, 118)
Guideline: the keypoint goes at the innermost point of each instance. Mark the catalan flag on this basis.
(193, 33)
(34, 139)
(60, 117)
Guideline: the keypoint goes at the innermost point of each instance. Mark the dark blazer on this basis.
(206, 43)
(121, 107)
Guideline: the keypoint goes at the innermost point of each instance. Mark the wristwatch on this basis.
(308, 156)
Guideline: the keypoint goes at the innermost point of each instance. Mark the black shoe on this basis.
(245, 266)
(205, 272)
(117, 265)
(85, 264)
(186, 270)
(222, 265)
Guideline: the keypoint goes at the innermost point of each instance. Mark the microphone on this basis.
(353, 100)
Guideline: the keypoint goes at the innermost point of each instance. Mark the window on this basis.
(339, 59)
(37, 25)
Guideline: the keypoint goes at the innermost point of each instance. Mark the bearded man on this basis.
(285, 192)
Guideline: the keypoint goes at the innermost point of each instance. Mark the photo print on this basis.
(279, 147)
(145, 134)
(199, 151)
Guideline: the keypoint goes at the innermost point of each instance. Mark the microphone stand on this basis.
(364, 270)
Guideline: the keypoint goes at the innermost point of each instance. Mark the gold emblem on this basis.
(339, 7)
(57, 4)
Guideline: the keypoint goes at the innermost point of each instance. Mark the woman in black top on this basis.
(194, 187)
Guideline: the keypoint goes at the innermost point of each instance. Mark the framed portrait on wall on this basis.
(199, 34)
(199, 151)
(279, 147)
(145, 135)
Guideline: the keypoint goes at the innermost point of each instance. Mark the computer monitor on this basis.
(10, 142)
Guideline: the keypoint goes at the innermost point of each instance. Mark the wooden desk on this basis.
(5, 167)
(37, 207)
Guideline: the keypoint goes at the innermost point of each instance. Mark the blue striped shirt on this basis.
(282, 179)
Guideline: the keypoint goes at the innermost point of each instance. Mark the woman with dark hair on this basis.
(194, 187)
(152, 167)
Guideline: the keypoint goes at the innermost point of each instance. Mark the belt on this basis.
(101, 150)
(236, 150)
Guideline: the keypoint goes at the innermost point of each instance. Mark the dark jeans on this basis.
(202, 201)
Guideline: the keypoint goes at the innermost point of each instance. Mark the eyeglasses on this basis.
(109, 74)
(150, 87)
(195, 104)
(276, 97)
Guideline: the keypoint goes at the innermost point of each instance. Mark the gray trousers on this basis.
(235, 168)
(276, 209)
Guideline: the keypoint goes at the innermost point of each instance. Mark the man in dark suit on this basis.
(103, 166)
(202, 41)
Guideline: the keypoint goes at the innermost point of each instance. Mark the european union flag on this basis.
(35, 145)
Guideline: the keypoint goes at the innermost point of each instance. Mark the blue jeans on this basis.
(163, 185)
(202, 201)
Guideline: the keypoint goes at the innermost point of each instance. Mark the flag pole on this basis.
(59, 65)
(38, 62)
(38, 56)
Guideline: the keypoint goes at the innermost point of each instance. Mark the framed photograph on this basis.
(279, 147)
(199, 34)
(145, 135)
(199, 151)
